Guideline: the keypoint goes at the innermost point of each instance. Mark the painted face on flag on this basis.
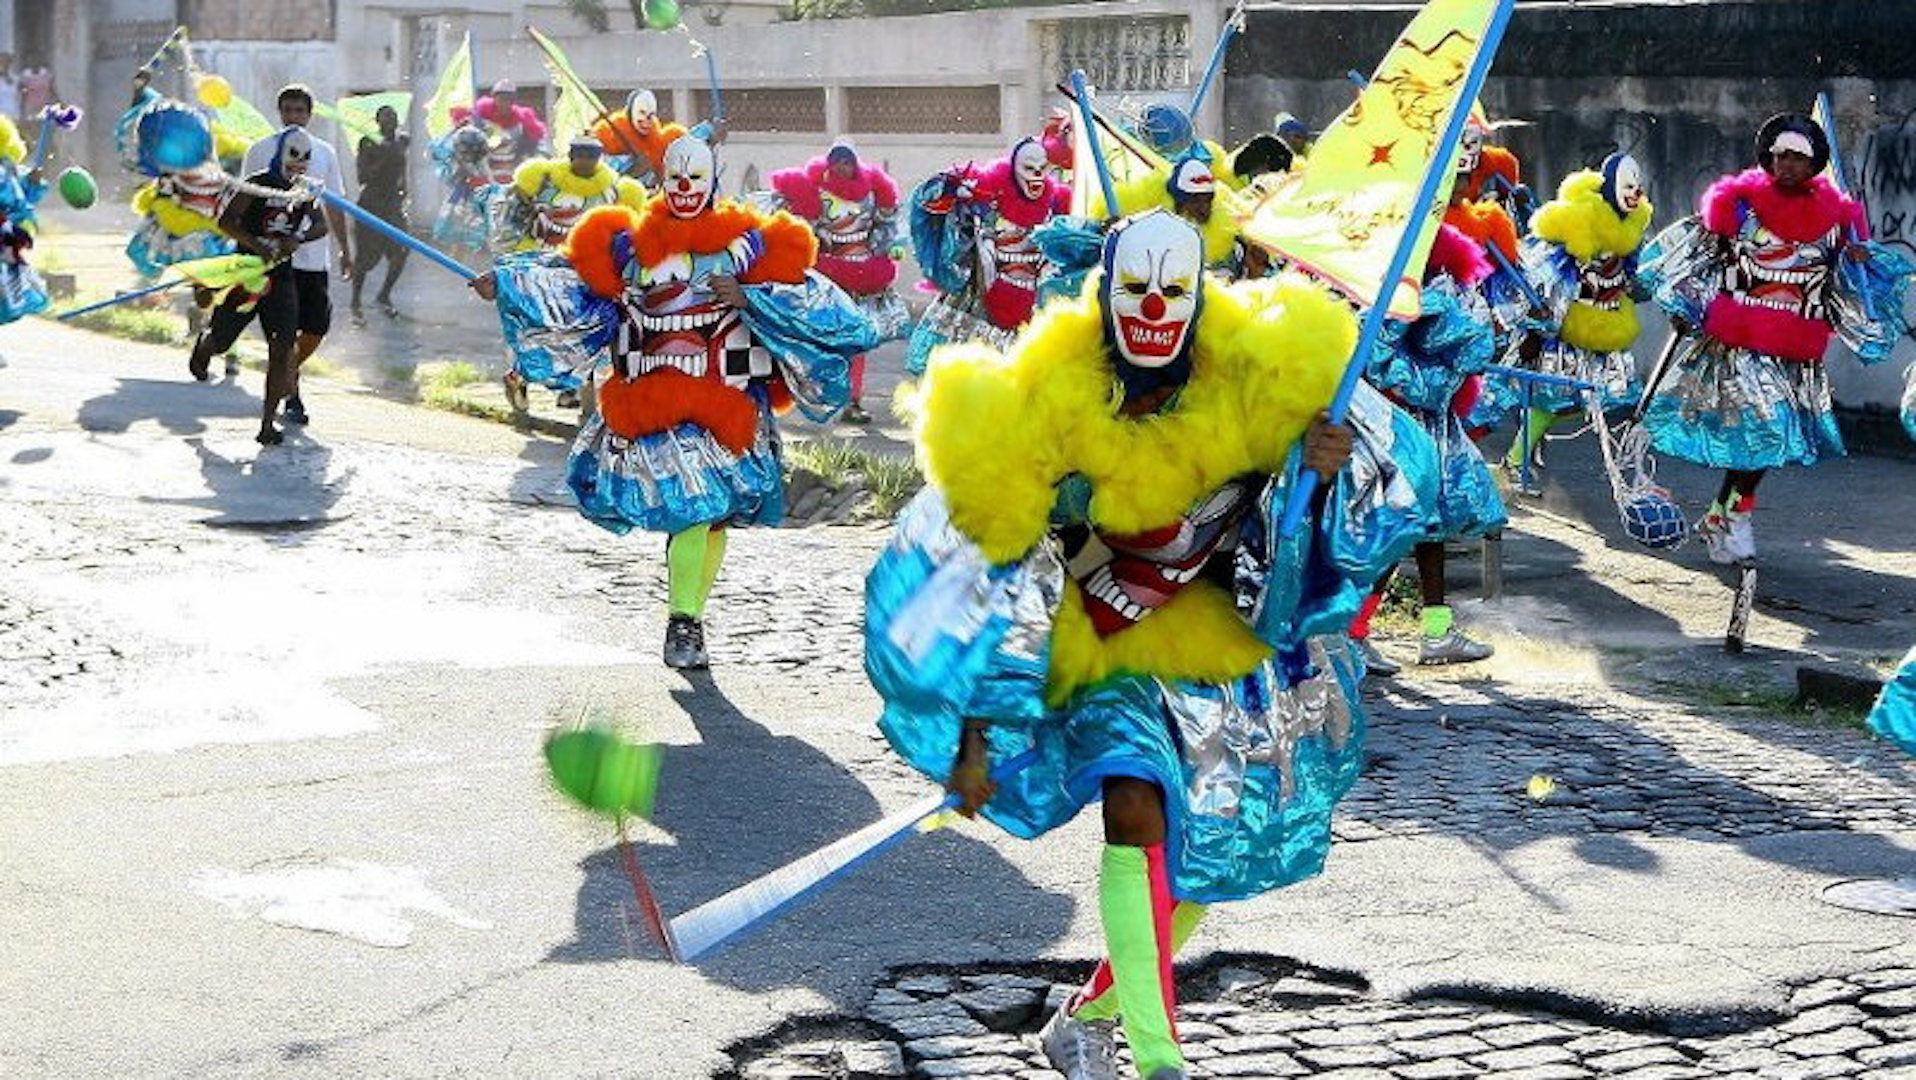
(1152, 285)
(691, 176)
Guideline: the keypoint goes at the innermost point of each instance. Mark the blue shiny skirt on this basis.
(22, 293)
(669, 481)
(1735, 408)
(1251, 770)
(1894, 717)
(951, 320)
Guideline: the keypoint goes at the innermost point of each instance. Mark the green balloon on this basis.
(603, 771)
(661, 14)
(77, 187)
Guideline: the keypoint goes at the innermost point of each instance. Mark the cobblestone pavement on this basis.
(128, 517)
(1244, 1017)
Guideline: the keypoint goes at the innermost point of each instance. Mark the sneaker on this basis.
(388, 308)
(1080, 1049)
(269, 436)
(567, 399)
(1375, 663)
(1452, 648)
(1714, 531)
(516, 392)
(294, 411)
(359, 317)
(684, 643)
(855, 414)
(232, 366)
(199, 367)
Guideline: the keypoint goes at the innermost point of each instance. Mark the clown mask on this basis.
(642, 108)
(1623, 183)
(1028, 168)
(295, 154)
(1152, 282)
(1471, 148)
(691, 177)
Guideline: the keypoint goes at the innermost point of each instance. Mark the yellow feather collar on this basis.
(1583, 222)
(538, 172)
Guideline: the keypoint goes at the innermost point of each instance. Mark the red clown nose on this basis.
(1152, 308)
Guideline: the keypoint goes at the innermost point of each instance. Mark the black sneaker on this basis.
(684, 643)
(232, 366)
(294, 411)
(200, 367)
(566, 399)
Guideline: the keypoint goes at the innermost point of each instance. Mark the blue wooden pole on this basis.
(122, 298)
(1085, 117)
(1523, 284)
(1440, 165)
(397, 236)
(1231, 26)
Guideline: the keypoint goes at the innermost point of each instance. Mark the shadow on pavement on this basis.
(284, 489)
(181, 407)
(743, 802)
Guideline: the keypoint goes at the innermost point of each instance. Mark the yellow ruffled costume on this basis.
(999, 431)
(176, 219)
(1582, 222)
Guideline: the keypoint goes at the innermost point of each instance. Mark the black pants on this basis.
(372, 246)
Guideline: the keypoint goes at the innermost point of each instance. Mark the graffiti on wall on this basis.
(1887, 178)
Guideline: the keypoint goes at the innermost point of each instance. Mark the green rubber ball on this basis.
(661, 14)
(77, 187)
(604, 772)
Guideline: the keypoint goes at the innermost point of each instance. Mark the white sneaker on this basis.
(1452, 648)
(1080, 1049)
(1375, 663)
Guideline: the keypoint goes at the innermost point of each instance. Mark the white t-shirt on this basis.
(10, 96)
(313, 254)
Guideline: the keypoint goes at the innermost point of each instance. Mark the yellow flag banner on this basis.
(455, 88)
(357, 114)
(576, 108)
(1342, 217)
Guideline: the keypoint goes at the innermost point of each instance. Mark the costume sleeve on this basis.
(1894, 717)
(801, 197)
(1380, 507)
(551, 319)
(1866, 308)
(938, 228)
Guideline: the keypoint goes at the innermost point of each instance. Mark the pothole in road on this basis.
(1266, 1016)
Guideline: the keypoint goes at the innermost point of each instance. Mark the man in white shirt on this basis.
(9, 88)
(310, 261)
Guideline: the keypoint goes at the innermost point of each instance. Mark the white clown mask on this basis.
(691, 176)
(1623, 183)
(1472, 149)
(642, 108)
(1151, 288)
(1028, 166)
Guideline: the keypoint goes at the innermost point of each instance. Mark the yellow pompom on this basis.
(214, 92)
(1541, 787)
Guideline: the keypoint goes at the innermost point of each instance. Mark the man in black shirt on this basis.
(382, 190)
(272, 228)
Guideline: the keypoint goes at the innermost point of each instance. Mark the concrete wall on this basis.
(1683, 87)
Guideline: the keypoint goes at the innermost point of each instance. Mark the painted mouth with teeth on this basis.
(847, 238)
(1159, 341)
(685, 202)
(1783, 277)
(683, 338)
(1602, 285)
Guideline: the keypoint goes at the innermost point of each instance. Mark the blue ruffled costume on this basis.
(1423, 365)
(670, 480)
(22, 293)
(1251, 769)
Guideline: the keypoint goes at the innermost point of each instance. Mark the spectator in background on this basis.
(381, 165)
(9, 88)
